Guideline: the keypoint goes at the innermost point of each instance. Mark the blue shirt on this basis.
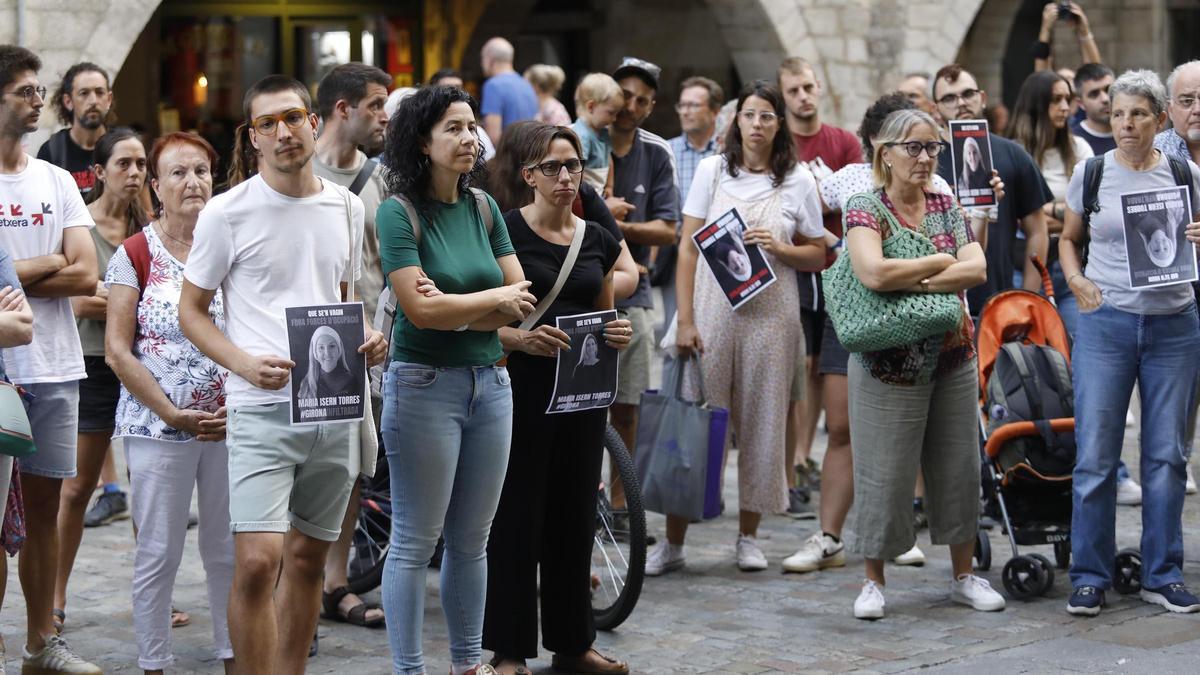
(687, 159)
(1100, 144)
(511, 97)
(8, 277)
(597, 145)
(1173, 145)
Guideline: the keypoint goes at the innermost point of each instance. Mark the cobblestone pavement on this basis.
(712, 618)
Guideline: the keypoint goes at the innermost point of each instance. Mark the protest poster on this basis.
(740, 269)
(1156, 245)
(971, 157)
(586, 376)
(327, 382)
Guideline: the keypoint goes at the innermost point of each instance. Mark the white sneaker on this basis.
(869, 604)
(663, 558)
(57, 657)
(750, 557)
(1190, 486)
(818, 552)
(1130, 420)
(913, 557)
(1129, 493)
(976, 592)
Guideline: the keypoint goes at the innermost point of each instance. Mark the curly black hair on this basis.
(408, 168)
(872, 120)
(783, 153)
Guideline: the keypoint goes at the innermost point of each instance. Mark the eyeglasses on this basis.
(267, 125)
(748, 116)
(914, 148)
(555, 167)
(965, 95)
(687, 107)
(1186, 101)
(27, 93)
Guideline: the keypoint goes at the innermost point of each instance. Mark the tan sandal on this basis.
(582, 664)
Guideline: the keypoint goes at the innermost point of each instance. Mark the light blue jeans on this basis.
(447, 432)
(1114, 351)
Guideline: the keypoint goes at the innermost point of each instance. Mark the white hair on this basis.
(1143, 83)
(394, 98)
(1177, 72)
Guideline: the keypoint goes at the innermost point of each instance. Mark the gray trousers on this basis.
(894, 431)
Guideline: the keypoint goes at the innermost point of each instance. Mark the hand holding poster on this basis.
(586, 376)
(971, 157)
(740, 269)
(1156, 244)
(327, 382)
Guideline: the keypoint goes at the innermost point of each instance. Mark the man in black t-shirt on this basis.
(958, 97)
(82, 101)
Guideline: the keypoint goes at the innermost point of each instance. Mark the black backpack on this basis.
(1032, 383)
(1093, 173)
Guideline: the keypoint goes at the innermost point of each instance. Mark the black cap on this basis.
(631, 65)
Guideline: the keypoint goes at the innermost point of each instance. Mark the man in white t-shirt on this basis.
(44, 228)
(282, 238)
(351, 98)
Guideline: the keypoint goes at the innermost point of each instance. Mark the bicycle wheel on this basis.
(372, 531)
(619, 553)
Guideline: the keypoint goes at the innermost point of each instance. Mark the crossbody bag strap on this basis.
(568, 263)
(364, 175)
(350, 235)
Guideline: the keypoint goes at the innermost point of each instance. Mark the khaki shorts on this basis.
(283, 476)
(633, 372)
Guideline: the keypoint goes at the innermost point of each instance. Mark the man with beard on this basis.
(645, 204)
(82, 102)
(350, 101)
(958, 97)
(44, 228)
(822, 149)
(1092, 81)
(281, 238)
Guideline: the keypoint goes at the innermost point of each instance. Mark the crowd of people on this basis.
(142, 296)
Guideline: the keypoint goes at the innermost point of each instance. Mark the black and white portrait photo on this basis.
(329, 376)
(971, 154)
(740, 269)
(586, 376)
(1156, 245)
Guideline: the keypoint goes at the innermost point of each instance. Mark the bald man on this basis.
(507, 97)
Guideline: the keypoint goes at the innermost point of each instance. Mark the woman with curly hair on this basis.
(447, 410)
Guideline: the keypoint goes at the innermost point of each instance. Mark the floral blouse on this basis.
(924, 361)
(188, 377)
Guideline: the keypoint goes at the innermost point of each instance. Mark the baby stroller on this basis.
(1028, 450)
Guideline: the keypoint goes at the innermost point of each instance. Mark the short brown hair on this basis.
(794, 65)
(949, 73)
(716, 95)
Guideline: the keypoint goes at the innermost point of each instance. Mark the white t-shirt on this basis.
(800, 204)
(1055, 173)
(36, 206)
(267, 251)
(852, 179)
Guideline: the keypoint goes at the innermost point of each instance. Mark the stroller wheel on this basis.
(1062, 554)
(1023, 577)
(983, 551)
(1047, 570)
(1127, 577)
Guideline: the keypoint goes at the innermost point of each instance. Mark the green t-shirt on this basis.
(91, 331)
(457, 253)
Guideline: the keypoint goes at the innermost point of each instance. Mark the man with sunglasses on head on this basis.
(44, 228)
(281, 238)
(958, 97)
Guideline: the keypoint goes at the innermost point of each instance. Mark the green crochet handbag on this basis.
(870, 321)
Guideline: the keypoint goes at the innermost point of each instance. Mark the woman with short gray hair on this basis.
(1130, 332)
(914, 406)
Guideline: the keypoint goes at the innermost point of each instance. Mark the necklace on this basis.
(162, 228)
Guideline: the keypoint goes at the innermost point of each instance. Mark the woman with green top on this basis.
(447, 409)
(119, 161)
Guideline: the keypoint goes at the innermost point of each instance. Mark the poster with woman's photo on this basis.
(586, 376)
(971, 156)
(327, 381)
(740, 268)
(1156, 244)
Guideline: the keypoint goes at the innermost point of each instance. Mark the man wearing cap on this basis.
(645, 203)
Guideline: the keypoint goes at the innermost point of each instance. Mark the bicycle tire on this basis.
(610, 616)
(372, 531)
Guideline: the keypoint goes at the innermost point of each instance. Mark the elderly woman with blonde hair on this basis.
(913, 406)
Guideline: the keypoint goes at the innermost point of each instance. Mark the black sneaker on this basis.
(808, 475)
(1085, 601)
(109, 506)
(1175, 597)
(800, 504)
(920, 520)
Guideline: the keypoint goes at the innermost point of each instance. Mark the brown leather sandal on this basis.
(582, 664)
